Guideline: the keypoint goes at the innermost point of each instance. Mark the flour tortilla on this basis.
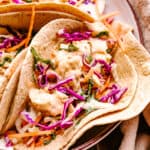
(50, 6)
(140, 58)
(47, 34)
(10, 70)
(8, 95)
(41, 18)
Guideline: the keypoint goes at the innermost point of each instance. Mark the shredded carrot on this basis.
(107, 82)
(101, 91)
(39, 143)
(39, 117)
(14, 48)
(31, 26)
(106, 16)
(42, 140)
(60, 132)
(114, 35)
(22, 135)
(33, 146)
(30, 141)
(11, 131)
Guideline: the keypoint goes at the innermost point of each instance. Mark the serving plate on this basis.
(98, 133)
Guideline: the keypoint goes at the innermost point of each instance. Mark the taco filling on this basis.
(9, 39)
(72, 82)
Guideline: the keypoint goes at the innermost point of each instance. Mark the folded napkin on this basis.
(134, 134)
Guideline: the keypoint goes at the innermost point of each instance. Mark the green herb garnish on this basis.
(28, 1)
(102, 34)
(71, 48)
(90, 85)
(46, 142)
(6, 59)
(53, 136)
(108, 50)
(89, 59)
(37, 58)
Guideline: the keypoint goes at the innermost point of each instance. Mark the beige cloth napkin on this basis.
(132, 140)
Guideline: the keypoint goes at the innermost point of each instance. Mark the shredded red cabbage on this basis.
(28, 117)
(42, 81)
(9, 42)
(8, 141)
(98, 75)
(40, 68)
(1, 53)
(49, 127)
(77, 112)
(75, 36)
(61, 83)
(61, 123)
(71, 92)
(118, 96)
(109, 95)
(66, 124)
(66, 105)
(45, 127)
(18, 1)
(87, 2)
(114, 95)
(104, 63)
(106, 66)
(72, 2)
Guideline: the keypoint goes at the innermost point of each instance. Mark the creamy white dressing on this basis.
(84, 46)
(96, 27)
(2, 145)
(50, 103)
(98, 45)
(67, 61)
(89, 8)
(94, 104)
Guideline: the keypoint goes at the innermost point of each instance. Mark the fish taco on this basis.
(73, 73)
(14, 38)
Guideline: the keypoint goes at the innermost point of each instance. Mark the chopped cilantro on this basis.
(71, 48)
(38, 58)
(90, 85)
(89, 59)
(28, 1)
(102, 34)
(6, 59)
(108, 50)
(46, 142)
(53, 136)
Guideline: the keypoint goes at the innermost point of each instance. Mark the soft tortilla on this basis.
(126, 78)
(50, 6)
(8, 95)
(9, 72)
(139, 55)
